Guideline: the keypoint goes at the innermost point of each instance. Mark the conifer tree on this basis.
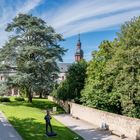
(33, 49)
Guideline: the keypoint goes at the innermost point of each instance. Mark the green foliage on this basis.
(3, 89)
(33, 48)
(4, 99)
(23, 92)
(97, 92)
(74, 83)
(62, 91)
(113, 75)
(19, 99)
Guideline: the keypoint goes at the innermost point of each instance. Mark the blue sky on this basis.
(96, 20)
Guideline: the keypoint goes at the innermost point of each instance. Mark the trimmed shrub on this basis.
(19, 99)
(4, 99)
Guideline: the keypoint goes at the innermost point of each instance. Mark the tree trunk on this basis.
(29, 95)
(45, 94)
(40, 95)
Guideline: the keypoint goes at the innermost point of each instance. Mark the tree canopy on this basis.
(33, 49)
(113, 75)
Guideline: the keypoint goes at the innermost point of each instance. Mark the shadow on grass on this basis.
(38, 103)
(31, 129)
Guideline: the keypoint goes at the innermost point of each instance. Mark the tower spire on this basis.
(79, 36)
(79, 51)
(79, 42)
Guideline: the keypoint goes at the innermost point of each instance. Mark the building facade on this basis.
(3, 75)
(63, 69)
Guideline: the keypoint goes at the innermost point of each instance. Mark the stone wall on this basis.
(130, 127)
(64, 104)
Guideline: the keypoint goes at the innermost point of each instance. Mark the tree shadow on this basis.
(85, 129)
(32, 129)
(45, 105)
(93, 134)
(37, 103)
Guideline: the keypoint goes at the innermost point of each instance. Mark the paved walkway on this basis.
(84, 129)
(7, 132)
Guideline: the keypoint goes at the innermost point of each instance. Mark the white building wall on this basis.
(61, 77)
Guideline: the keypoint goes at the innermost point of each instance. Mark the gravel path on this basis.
(7, 132)
(84, 129)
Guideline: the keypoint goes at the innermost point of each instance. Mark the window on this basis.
(1, 77)
(62, 77)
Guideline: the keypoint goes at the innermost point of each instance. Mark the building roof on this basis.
(63, 67)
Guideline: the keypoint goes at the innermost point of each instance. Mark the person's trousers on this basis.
(48, 125)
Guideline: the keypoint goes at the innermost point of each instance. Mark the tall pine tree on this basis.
(33, 48)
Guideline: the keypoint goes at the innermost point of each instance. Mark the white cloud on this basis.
(29, 5)
(90, 15)
(100, 24)
(73, 16)
(10, 10)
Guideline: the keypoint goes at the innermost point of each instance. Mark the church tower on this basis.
(79, 52)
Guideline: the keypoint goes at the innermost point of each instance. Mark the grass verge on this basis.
(28, 120)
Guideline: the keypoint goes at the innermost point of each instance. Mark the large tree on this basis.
(33, 48)
(97, 91)
(125, 68)
(113, 75)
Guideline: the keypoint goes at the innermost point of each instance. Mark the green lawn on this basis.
(28, 119)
